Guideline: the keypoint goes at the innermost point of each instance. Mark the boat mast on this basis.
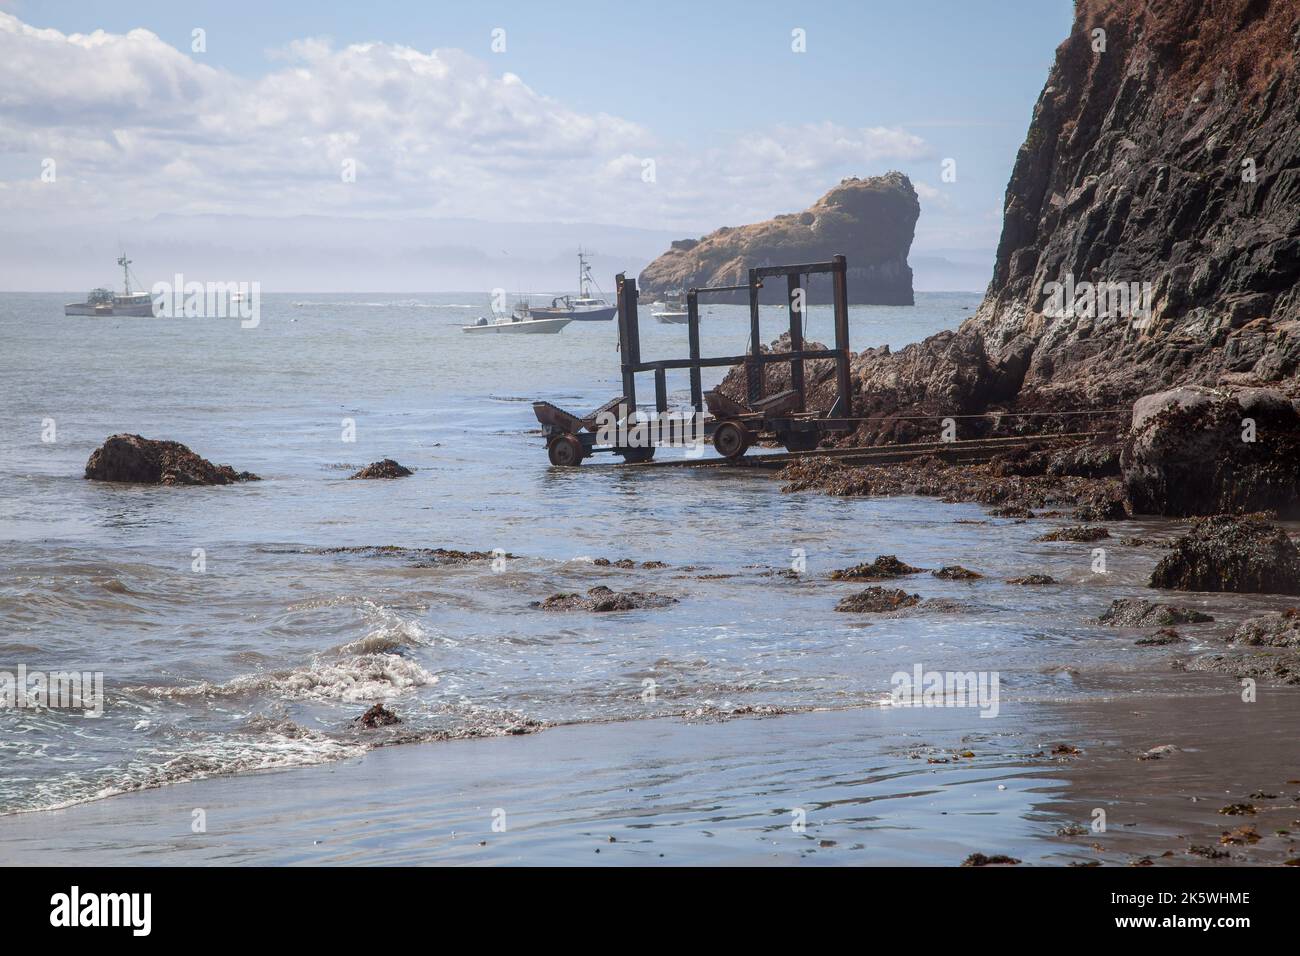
(582, 274)
(125, 263)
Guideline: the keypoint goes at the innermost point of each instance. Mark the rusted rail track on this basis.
(957, 452)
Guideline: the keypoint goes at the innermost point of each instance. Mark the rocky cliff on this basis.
(871, 221)
(1159, 188)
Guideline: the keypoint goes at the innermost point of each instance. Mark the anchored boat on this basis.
(518, 322)
(584, 307)
(104, 302)
(672, 311)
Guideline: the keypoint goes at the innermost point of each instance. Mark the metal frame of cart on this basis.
(735, 425)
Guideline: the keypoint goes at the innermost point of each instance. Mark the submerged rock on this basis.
(1159, 752)
(1134, 612)
(1077, 533)
(1226, 553)
(1162, 637)
(1266, 668)
(1272, 630)
(1033, 579)
(997, 859)
(627, 563)
(885, 566)
(875, 600)
(601, 599)
(420, 557)
(384, 468)
(131, 458)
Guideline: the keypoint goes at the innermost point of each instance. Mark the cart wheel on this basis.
(731, 439)
(800, 441)
(564, 451)
(635, 456)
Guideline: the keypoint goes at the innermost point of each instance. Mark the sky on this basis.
(236, 132)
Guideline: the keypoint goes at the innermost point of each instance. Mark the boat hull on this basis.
(530, 327)
(671, 318)
(586, 315)
(144, 310)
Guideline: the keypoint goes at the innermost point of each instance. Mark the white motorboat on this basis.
(671, 311)
(518, 322)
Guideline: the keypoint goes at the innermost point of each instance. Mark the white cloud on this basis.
(137, 127)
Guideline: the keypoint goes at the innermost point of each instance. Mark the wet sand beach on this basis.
(668, 791)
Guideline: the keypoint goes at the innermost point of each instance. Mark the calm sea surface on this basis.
(264, 658)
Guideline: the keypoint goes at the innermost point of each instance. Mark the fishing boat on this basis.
(104, 302)
(672, 311)
(584, 307)
(518, 322)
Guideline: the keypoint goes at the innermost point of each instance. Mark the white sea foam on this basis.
(367, 669)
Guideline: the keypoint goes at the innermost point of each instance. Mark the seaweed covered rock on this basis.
(876, 600)
(1227, 553)
(1077, 533)
(131, 458)
(885, 566)
(378, 716)
(1200, 451)
(955, 572)
(1271, 630)
(384, 468)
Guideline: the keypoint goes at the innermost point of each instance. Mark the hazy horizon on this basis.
(413, 149)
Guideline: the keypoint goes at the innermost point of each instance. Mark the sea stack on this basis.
(870, 221)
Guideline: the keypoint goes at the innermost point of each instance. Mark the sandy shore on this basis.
(673, 792)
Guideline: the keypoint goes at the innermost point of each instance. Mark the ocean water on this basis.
(264, 657)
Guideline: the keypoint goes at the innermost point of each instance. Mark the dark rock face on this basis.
(131, 458)
(384, 468)
(1133, 612)
(870, 221)
(1133, 171)
(1199, 451)
(1225, 553)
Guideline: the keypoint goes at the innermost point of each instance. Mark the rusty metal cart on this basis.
(733, 426)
